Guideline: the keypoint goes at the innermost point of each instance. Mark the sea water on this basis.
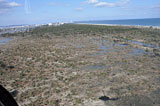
(141, 22)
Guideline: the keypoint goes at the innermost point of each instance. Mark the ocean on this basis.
(141, 22)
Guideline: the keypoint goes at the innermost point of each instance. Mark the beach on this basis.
(134, 26)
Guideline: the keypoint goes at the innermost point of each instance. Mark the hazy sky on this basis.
(44, 11)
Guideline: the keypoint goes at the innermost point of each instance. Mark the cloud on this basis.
(7, 6)
(92, 1)
(97, 3)
(103, 4)
(13, 4)
(79, 9)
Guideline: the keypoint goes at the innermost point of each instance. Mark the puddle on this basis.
(142, 44)
(108, 46)
(76, 46)
(95, 67)
(121, 45)
(136, 42)
(108, 36)
(5, 40)
(137, 51)
(104, 48)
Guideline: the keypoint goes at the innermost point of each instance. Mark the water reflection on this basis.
(5, 40)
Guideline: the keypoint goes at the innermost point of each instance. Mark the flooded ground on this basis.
(109, 46)
(5, 40)
(78, 68)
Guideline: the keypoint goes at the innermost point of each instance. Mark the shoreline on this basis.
(135, 26)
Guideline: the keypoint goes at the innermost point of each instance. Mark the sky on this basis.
(16, 12)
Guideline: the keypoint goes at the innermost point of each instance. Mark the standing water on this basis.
(5, 40)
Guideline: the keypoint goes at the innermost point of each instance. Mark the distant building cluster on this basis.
(23, 28)
(55, 24)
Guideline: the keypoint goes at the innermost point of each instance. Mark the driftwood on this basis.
(6, 98)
